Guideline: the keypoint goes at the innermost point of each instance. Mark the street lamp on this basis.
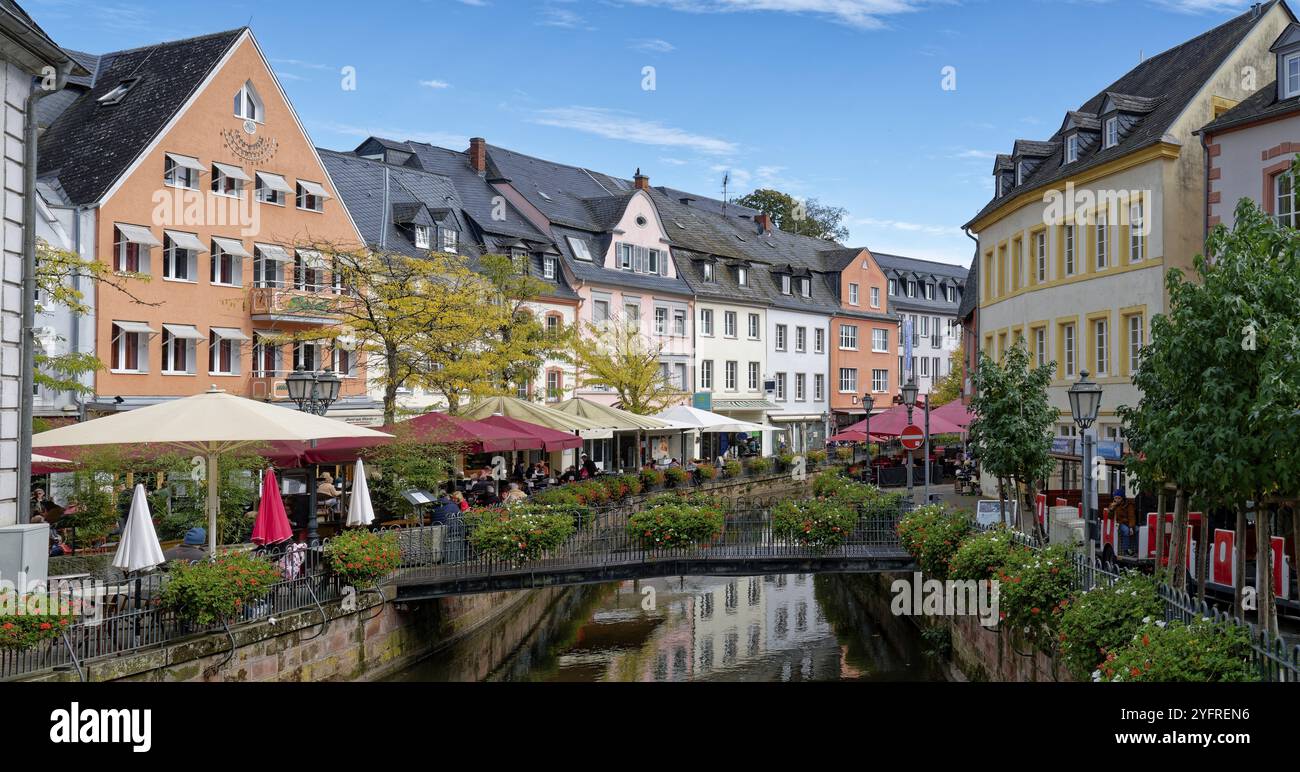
(909, 392)
(313, 392)
(1085, 402)
(869, 402)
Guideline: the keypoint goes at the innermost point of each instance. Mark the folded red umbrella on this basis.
(272, 524)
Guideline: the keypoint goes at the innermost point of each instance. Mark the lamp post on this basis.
(1085, 402)
(869, 403)
(909, 392)
(312, 392)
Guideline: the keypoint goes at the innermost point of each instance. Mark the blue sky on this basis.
(840, 100)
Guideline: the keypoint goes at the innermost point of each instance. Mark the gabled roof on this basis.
(1172, 79)
(1127, 103)
(90, 145)
(1261, 105)
(1032, 149)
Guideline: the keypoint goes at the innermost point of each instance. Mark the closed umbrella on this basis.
(360, 512)
(272, 524)
(139, 548)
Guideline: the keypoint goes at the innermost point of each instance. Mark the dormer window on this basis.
(579, 248)
(805, 287)
(423, 240)
(708, 272)
(785, 284)
(447, 240)
(1020, 174)
(1112, 131)
(742, 276)
(116, 94)
(1071, 148)
(1291, 69)
(1000, 190)
(248, 105)
(548, 268)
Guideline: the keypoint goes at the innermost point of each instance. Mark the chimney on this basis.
(764, 221)
(641, 181)
(478, 154)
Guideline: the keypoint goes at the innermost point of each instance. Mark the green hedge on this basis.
(670, 521)
(524, 531)
(818, 523)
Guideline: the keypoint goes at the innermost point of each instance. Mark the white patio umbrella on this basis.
(704, 421)
(208, 424)
(360, 512)
(139, 548)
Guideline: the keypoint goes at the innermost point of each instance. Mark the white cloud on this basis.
(863, 14)
(1205, 6)
(303, 64)
(564, 18)
(615, 124)
(435, 84)
(441, 139)
(985, 155)
(475, 3)
(910, 227)
(672, 161)
(737, 178)
(288, 75)
(653, 46)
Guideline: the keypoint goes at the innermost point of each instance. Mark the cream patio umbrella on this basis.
(208, 424)
(360, 512)
(620, 420)
(139, 548)
(541, 415)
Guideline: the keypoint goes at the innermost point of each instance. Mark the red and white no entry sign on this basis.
(912, 437)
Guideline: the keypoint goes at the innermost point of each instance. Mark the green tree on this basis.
(617, 356)
(948, 389)
(805, 218)
(1011, 433)
(1219, 379)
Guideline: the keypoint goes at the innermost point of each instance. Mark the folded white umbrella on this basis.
(139, 548)
(360, 512)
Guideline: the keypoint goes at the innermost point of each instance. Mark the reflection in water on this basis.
(763, 628)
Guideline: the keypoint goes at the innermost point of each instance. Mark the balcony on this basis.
(314, 304)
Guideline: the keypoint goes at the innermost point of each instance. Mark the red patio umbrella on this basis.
(891, 422)
(272, 524)
(550, 439)
(475, 436)
(954, 412)
(848, 436)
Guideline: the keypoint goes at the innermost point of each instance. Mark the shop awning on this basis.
(184, 331)
(704, 421)
(137, 234)
(230, 333)
(469, 436)
(231, 246)
(612, 417)
(736, 405)
(274, 182)
(189, 162)
(537, 414)
(187, 241)
(550, 439)
(233, 172)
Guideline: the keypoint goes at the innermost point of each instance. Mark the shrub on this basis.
(560, 494)
(674, 476)
(26, 620)
(650, 478)
(1034, 590)
(785, 460)
(360, 557)
(1204, 651)
(758, 465)
(1103, 620)
(210, 591)
(673, 521)
(523, 532)
(590, 492)
(731, 468)
(843, 453)
(882, 504)
(818, 523)
(619, 487)
(983, 555)
(931, 535)
(706, 471)
(816, 457)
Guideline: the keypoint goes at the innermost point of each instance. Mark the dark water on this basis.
(765, 628)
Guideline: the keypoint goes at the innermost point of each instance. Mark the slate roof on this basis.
(90, 145)
(1259, 105)
(1173, 77)
(970, 297)
(898, 267)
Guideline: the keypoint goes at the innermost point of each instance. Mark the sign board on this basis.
(1040, 509)
(1063, 446)
(1223, 563)
(912, 437)
(1281, 571)
(702, 400)
(418, 497)
(1111, 450)
(989, 512)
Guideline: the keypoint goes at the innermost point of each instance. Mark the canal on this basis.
(795, 627)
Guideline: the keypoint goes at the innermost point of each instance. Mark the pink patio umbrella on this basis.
(891, 422)
(848, 436)
(954, 412)
(272, 524)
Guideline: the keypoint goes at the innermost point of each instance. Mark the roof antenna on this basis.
(1141, 58)
(726, 178)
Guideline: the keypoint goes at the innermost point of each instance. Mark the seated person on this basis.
(192, 547)
(326, 493)
(514, 494)
(458, 499)
(488, 498)
(570, 474)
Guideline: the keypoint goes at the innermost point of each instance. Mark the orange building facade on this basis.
(862, 341)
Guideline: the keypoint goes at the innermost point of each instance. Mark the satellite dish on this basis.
(250, 127)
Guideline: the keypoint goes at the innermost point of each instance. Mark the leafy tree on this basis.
(617, 356)
(805, 218)
(948, 389)
(405, 463)
(522, 343)
(1219, 379)
(1011, 433)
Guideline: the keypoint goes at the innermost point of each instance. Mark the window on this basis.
(228, 180)
(801, 339)
(1101, 242)
(879, 381)
(554, 323)
(1101, 336)
(785, 284)
(549, 268)
(268, 262)
(706, 374)
(576, 245)
(742, 276)
(925, 326)
(848, 380)
(819, 341)
(307, 356)
(1137, 228)
(1020, 173)
(1067, 350)
(911, 288)
(266, 359)
(309, 270)
(1291, 67)
(181, 171)
(729, 376)
(524, 390)
(754, 329)
(661, 321)
(875, 297)
(879, 340)
(554, 385)
(893, 287)
(116, 93)
(925, 367)
(853, 294)
(805, 287)
(1040, 255)
(632, 313)
(638, 259)
(599, 311)
(178, 348)
(929, 290)
(780, 337)
(311, 197)
(849, 337)
(819, 387)
(1040, 346)
(780, 387)
(706, 321)
(423, 239)
(1284, 198)
(131, 248)
(729, 324)
(345, 362)
(248, 105)
(272, 188)
(1072, 148)
(1112, 131)
(180, 256)
(223, 350)
(949, 293)
(753, 376)
(129, 347)
(1069, 250)
(800, 387)
(679, 322)
(1134, 342)
(227, 262)
(707, 269)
